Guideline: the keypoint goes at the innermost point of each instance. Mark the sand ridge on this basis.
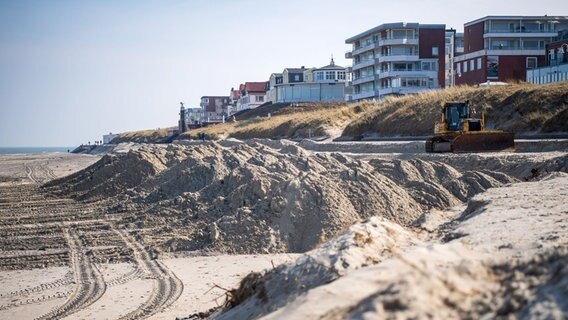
(393, 220)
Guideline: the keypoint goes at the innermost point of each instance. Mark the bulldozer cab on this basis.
(455, 113)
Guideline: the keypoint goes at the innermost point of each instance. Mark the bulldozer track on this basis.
(39, 173)
(167, 286)
(66, 280)
(90, 285)
(134, 274)
(43, 298)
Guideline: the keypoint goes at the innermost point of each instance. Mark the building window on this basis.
(478, 63)
(319, 75)
(471, 65)
(330, 75)
(429, 66)
(458, 68)
(341, 75)
(259, 98)
(531, 63)
(492, 66)
(435, 51)
(296, 77)
(465, 66)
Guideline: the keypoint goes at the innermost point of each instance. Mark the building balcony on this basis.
(364, 48)
(396, 58)
(363, 79)
(408, 74)
(502, 52)
(349, 69)
(348, 55)
(401, 90)
(364, 64)
(520, 35)
(364, 95)
(397, 41)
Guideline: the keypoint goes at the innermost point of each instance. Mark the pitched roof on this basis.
(331, 66)
(255, 86)
(295, 70)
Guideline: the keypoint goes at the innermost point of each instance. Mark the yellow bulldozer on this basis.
(460, 131)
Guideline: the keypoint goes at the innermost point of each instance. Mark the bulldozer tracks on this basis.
(90, 285)
(167, 286)
(39, 229)
(39, 173)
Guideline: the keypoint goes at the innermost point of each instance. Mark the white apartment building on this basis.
(396, 59)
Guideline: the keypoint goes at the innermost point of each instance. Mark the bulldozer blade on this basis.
(483, 141)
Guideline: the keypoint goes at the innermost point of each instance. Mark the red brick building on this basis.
(503, 48)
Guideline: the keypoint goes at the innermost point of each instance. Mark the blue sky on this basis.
(71, 71)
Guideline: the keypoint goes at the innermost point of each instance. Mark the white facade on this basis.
(251, 101)
(550, 74)
(316, 84)
(386, 60)
(107, 138)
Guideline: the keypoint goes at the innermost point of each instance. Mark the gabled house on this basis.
(252, 95)
(311, 84)
(293, 75)
(275, 79)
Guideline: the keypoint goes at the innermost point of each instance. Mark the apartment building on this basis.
(556, 66)
(503, 48)
(396, 59)
(214, 109)
(189, 118)
(454, 48)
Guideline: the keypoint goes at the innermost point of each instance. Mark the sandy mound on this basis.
(255, 198)
(362, 245)
(435, 184)
(115, 173)
(509, 261)
(264, 196)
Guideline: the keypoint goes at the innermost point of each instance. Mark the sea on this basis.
(34, 150)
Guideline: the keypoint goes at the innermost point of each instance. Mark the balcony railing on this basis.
(363, 79)
(398, 40)
(397, 57)
(365, 95)
(407, 73)
(519, 30)
(363, 63)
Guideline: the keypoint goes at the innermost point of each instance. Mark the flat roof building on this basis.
(396, 59)
(503, 48)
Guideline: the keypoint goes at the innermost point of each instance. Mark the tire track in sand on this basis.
(167, 286)
(90, 285)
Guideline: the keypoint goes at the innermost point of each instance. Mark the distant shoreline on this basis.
(33, 150)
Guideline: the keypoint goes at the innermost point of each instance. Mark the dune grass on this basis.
(520, 108)
(516, 108)
(143, 136)
(297, 122)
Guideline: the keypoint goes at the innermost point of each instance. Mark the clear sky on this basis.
(71, 71)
